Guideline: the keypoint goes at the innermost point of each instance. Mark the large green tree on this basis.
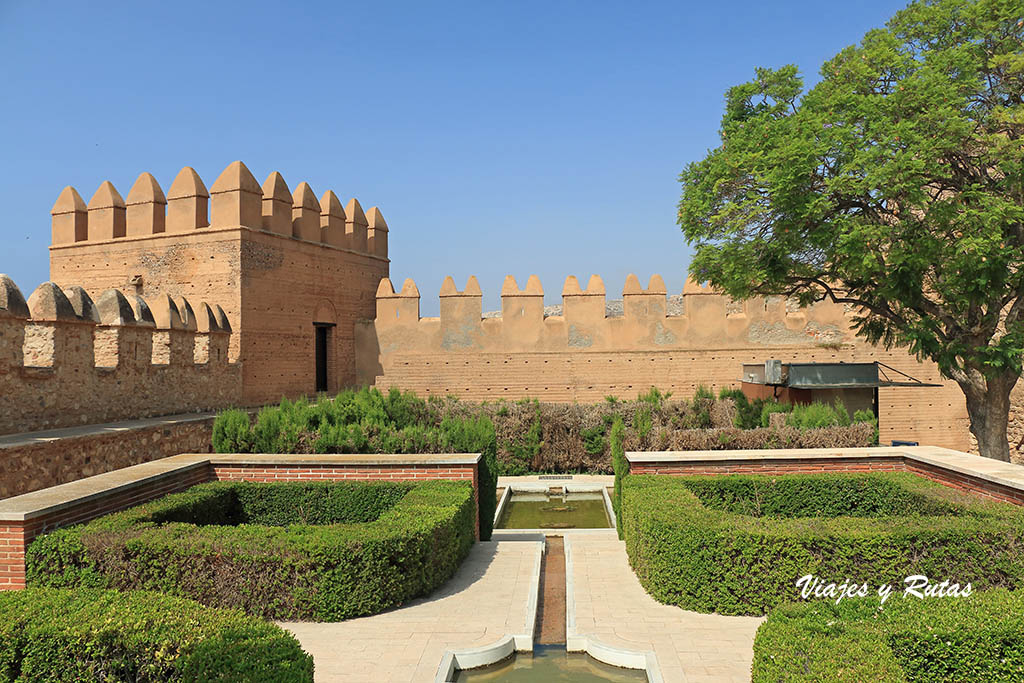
(895, 185)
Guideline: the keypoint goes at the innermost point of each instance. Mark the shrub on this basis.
(232, 432)
(225, 544)
(621, 466)
(770, 407)
(93, 635)
(531, 436)
(977, 639)
(709, 557)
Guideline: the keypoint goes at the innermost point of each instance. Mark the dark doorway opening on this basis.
(323, 336)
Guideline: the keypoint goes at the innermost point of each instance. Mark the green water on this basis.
(550, 663)
(583, 510)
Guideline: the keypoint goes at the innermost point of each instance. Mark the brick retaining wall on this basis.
(25, 517)
(989, 478)
(35, 461)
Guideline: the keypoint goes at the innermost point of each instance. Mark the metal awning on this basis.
(829, 375)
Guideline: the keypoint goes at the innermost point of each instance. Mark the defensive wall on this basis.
(281, 263)
(69, 359)
(584, 355)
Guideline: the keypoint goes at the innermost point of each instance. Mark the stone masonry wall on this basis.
(40, 464)
(583, 355)
(67, 359)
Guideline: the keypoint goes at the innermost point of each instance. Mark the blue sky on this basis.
(496, 137)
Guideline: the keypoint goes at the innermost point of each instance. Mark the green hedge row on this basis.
(92, 635)
(203, 544)
(707, 557)
(975, 639)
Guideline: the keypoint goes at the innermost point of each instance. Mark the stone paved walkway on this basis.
(609, 604)
(486, 600)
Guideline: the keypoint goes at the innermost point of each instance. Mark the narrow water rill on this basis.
(555, 509)
(549, 660)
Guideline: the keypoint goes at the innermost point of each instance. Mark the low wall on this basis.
(25, 517)
(983, 476)
(38, 460)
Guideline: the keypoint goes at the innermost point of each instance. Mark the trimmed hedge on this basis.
(93, 635)
(367, 421)
(225, 544)
(976, 639)
(875, 528)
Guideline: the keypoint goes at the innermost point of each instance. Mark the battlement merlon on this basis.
(54, 327)
(707, 316)
(234, 200)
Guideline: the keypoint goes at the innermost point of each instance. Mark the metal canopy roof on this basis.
(836, 376)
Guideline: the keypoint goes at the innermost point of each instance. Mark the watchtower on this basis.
(294, 271)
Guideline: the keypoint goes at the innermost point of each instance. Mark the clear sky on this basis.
(496, 137)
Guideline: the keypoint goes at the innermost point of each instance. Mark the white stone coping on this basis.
(45, 501)
(1005, 474)
(472, 658)
(580, 642)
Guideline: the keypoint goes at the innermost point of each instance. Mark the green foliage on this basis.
(975, 639)
(868, 417)
(525, 448)
(655, 398)
(894, 185)
(530, 436)
(298, 551)
(232, 432)
(92, 635)
(816, 415)
(477, 436)
(769, 407)
(691, 545)
(621, 468)
(703, 394)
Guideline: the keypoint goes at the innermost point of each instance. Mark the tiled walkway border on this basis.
(24, 517)
(990, 478)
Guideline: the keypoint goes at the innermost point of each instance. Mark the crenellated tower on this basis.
(292, 272)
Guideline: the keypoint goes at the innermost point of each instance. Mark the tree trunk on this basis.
(988, 406)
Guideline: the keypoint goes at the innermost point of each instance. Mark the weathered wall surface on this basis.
(72, 360)
(41, 464)
(584, 356)
(277, 261)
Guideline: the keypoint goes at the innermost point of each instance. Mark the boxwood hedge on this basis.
(308, 551)
(976, 639)
(736, 544)
(95, 635)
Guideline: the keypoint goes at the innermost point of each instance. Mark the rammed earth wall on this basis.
(584, 355)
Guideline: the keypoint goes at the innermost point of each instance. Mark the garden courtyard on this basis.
(383, 537)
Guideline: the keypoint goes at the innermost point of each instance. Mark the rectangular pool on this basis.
(539, 510)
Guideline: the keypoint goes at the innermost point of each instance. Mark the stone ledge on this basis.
(48, 435)
(47, 501)
(985, 469)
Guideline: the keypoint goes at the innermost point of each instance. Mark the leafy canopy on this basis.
(896, 185)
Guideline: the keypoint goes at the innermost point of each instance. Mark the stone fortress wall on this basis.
(68, 358)
(279, 262)
(583, 355)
